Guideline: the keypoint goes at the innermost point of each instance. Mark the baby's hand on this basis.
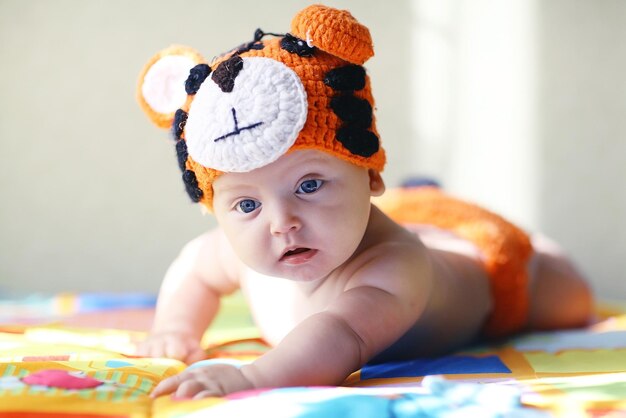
(202, 382)
(172, 345)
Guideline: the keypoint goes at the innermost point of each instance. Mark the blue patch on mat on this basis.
(114, 364)
(440, 365)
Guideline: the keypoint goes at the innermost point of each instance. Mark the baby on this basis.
(277, 139)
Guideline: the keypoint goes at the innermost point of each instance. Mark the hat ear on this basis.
(161, 86)
(334, 31)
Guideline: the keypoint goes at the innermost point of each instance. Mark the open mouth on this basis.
(296, 251)
(298, 255)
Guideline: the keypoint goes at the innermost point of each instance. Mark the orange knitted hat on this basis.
(304, 90)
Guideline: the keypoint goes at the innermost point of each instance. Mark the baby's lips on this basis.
(294, 251)
(298, 256)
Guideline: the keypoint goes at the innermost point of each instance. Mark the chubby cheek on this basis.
(345, 229)
(242, 238)
(250, 246)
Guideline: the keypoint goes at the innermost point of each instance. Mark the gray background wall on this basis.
(519, 107)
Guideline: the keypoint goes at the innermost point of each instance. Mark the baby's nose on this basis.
(284, 221)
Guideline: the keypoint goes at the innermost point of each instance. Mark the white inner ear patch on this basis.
(251, 126)
(163, 86)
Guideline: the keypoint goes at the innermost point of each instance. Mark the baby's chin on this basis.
(313, 265)
(302, 274)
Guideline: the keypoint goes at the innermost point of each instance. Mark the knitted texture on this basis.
(268, 97)
(336, 32)
(505, 248)
(241, 129)
(157, 93)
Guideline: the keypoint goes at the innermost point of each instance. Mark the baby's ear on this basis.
(161, 86)
(377, 185)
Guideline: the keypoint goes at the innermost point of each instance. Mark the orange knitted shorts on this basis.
(506, 249)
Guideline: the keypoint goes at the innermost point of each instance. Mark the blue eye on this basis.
(309, 186)
(247, 205)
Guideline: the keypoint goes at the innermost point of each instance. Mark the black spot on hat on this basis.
(296, 45)
(197, 75)
(225, 73)
(182, 154)
(352, 110)
(358, 141)
(191, 185)
(178, 126)
(349, 77)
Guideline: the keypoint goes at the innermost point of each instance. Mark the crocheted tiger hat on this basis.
(306, 89)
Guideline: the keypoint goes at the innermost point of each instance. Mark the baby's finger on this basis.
(205, 394)
(194, 355)
(154, 351)
(174, 349)
(189, 388)
(166, 386)
(144, 348)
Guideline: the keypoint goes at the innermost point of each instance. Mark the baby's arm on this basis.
(379, 305)
(328, 346)
(189, 299)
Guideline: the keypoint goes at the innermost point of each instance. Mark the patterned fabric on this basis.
(56, 370)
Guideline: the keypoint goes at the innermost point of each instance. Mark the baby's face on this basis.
(299, 217)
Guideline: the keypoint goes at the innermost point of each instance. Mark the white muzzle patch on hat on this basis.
(251, 125)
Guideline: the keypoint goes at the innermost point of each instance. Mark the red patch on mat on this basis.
(60, 379)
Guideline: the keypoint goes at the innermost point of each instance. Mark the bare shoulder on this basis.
(393, 260)
(213, 260)
(388, 285)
